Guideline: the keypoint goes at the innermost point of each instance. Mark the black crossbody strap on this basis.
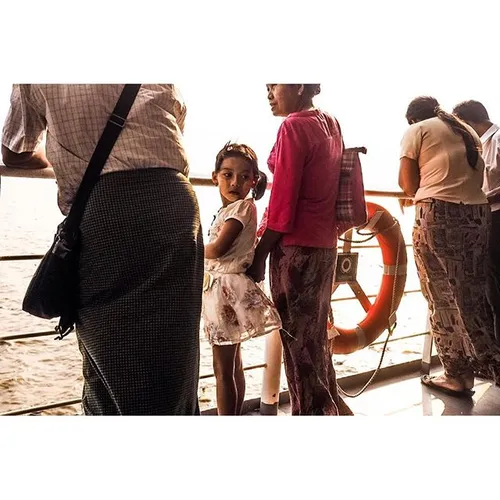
(112, 130)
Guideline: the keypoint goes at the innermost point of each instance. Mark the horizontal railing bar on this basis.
(35, 409)
(385, 194)
(372, 296)
(246, 368)
(20, 257)
(35, 257)
(48, 173)
(23, 336)
(370, 247)
(394, 339)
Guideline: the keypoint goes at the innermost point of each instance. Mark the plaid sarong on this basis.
(350, 207)
(141, 277)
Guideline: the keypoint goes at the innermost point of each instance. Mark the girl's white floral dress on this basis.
(234, 307)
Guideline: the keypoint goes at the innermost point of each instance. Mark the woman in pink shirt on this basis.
(301, 238)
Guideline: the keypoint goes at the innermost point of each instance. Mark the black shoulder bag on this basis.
(53, 290)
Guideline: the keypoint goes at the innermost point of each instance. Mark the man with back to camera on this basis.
(474, 114)
(141, 245)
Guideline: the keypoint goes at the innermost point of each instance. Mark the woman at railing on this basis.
(301, 236)
(441, 168)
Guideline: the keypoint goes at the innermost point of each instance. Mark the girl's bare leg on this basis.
(224, 361)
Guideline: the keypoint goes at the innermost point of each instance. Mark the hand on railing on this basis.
(405, 203)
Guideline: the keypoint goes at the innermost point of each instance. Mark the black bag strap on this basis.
(112, 130)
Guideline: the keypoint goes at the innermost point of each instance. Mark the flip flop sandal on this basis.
(428, 381)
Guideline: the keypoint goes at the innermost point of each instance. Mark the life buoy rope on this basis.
(381, 314)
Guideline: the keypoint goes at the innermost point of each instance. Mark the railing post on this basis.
(427, 350)
(269, 399)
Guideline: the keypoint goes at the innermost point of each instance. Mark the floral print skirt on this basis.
(236, 309)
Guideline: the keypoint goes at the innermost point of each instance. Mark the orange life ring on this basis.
(394, 257)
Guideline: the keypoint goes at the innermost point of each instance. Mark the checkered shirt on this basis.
(72, 117)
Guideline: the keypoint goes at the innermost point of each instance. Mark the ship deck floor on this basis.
(405, 396)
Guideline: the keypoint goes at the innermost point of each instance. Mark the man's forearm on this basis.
(28, 160)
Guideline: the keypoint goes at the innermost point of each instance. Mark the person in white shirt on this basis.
(474, 114)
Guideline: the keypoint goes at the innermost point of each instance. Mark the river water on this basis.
(41, 371)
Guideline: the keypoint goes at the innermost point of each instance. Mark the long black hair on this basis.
(234, 150)
(425, 107)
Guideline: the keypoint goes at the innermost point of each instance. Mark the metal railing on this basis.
(196, 181)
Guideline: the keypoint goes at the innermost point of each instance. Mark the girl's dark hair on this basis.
(425, 107)
(260, 186)
(233, 150)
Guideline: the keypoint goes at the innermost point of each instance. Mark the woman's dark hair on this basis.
(233, 150)
(311, 89)
(425, 107)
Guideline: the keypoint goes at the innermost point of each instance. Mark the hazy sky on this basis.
(372, 58)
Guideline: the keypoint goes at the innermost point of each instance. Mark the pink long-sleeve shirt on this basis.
(305, 161)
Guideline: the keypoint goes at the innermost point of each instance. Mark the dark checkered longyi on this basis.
(141, 275)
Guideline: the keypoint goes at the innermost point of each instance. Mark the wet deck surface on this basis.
(406, 396)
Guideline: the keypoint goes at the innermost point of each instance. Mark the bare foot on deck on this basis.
(450, 385)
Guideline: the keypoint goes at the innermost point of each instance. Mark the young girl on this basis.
(234, 307)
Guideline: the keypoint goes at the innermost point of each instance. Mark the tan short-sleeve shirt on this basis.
(445, 173)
